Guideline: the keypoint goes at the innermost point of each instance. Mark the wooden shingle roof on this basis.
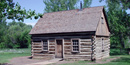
(68, 21)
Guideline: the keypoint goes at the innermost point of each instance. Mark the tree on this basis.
(17, 35)
(59, 5)
(125, 4)
(10, 10)
(3, 28)
(87, 3)
(119, 22)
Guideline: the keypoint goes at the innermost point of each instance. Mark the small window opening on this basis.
(45, 45)
(102, 20)
(75, 45)
(102, 45)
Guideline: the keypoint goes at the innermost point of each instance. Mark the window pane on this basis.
(75, 45)
(45, 45)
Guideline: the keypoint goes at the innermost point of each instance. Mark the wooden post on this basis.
(63, 47)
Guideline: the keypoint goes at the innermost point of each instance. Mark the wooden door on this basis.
(59, 51)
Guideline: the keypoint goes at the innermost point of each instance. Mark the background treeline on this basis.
(14, 35)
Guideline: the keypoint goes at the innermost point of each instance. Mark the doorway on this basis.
(59, 49)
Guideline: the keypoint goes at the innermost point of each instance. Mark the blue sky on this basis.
(39, 6)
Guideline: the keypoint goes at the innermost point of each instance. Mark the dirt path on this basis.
(27, 61)
(24, 60)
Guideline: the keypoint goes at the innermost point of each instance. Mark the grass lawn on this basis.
(123, 60)
(7, 54)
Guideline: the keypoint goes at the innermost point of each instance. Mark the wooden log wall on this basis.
(38, 52)
(84, 51)
(99, 51)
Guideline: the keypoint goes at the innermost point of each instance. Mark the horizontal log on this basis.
(67, 53)
(85, 50)
(52, 40)
(81, 53)
(37, 51)
(82, 46)
(67, 43)
(51, 43)
(36, 54)
(37, 48)
(51, 49)
(86, 44)
(51, 46)
(67, 40)
(51, 52)
(77, 55)
(67, 50)
(85, 40)
(78, 59)
(67, 47)
(36, 44)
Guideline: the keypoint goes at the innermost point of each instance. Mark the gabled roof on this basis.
(68, 21)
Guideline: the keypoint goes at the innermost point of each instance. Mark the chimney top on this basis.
(80, 6)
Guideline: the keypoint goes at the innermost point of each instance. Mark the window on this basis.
(75, 45)
(102, 45)
(102, 20)
(45, 45)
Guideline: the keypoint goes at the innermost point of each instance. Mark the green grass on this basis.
(123, 60)
(7, 54)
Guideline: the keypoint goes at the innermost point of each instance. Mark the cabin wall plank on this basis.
(85, 49)
(102, 48)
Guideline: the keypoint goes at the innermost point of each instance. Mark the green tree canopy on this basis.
(119, 22)
(87, 3)
(59, 5)
(16, 35)
(10, 10)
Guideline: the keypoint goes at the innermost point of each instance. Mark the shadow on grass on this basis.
(122, 59)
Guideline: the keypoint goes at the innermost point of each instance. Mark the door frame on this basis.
(62, 47)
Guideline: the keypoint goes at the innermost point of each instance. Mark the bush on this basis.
(16, 35)
(116, 51)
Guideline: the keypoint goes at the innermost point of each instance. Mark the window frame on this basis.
(102, 40)
(102, 20)
(72, 49)
(47, 45)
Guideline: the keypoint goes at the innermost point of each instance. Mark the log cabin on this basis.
(80, 34)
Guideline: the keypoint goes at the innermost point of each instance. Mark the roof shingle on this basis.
(68, 21)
